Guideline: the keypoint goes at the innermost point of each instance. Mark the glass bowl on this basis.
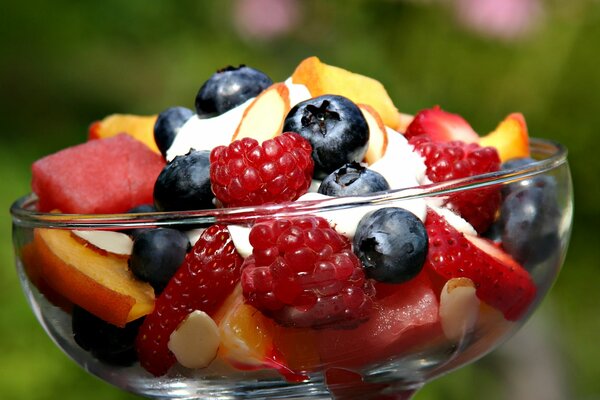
(423, 329)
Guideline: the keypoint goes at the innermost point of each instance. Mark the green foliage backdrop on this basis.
(64, 64)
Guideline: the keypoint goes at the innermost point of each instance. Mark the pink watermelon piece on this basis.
(406, 317)
(97, 177)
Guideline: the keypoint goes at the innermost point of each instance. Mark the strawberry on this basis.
(500, 281)
(441, 126)
(206, 277)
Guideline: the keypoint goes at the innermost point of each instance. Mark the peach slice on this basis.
(510, 137)
(100, 283)
(322, 79)
(378, 139)
(263, 119)
(405, 120)
(141, 127)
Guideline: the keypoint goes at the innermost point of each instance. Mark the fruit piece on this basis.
(195, 341)
(405, 120)
(208, 274)
(335, 128)
(77, 179)
(263, 119)
(403, 316)
(441, 126)
(453, 160)
(248, 173)
(108, 343)
(184, 183)
(500, 281)
(391, 242)
(100, 283)
(378, 139)
(321, 79)
(351, 180)
(529, 223)
(302, 273)
(157, 254)
(510, 138)
(167, 126)
(459, 308)
(228, 88)
(140, 127)
(246, 334)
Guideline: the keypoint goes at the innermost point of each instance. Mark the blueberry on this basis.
(143, 208)
(334, 126)
(529, 224)
(392, 244)
(353, 180)
(537, 180)
(108, 343)
(228, 88)
(184, 183)
(168, 124)
(157, 254)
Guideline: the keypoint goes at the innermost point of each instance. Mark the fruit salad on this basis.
(339, 289)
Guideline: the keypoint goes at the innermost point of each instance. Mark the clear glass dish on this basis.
(417, 352)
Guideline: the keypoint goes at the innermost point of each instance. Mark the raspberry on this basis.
(207, 276)
(455, 159)
(302, 273)
(248, 173)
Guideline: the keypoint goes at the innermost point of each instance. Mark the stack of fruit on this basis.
(299, 294)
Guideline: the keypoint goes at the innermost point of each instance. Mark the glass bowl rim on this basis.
(24, 214)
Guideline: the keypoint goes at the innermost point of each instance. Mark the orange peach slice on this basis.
(263, 119)
(510, 137)
(378, 139)
(322, 79)
(100, 283)
(141, 127)
(405, 120)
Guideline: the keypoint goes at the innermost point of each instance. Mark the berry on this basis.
(529, 223)
(392, 244)
(302, 273)
(167, 126)
(108, 343)
(351, 180)
(500, 281)
(184, 183)
(248, 173)
(335, 128)
(441, 126)
(228, 88)
(542, 181)
(453, 160)
(143, 208)
(157, 254)
(207, 276)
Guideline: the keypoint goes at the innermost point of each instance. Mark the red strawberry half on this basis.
(207, 276)
(453, 160)
(500, 281)
(441, 126)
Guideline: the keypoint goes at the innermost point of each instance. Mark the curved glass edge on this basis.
(552, 155)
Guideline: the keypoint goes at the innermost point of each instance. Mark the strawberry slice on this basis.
(500, 281)
(209, 273)
(441, 126)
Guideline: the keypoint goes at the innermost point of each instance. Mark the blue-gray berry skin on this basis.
(542, 181)
(157, 254)
(353, 180)
(108, 343)
(167, 126)
(392, 244)
(529, 223)
(184, 183)
(228, 88)
(335, 128)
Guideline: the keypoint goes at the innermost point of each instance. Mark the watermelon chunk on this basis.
(97, 177)
(406, 316)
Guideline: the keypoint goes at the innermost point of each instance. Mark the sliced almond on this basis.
(110, 241)
(459, 308)
(195, 341)
(378, 138)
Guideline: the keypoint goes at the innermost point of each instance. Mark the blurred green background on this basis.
(64, 64)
